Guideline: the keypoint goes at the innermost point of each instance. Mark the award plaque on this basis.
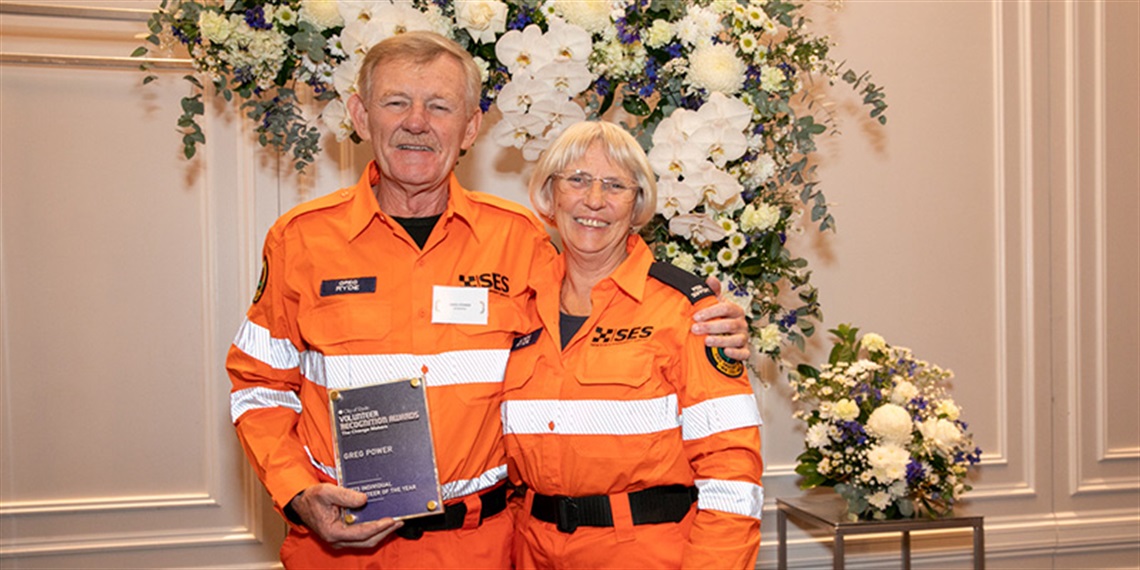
(383, 443)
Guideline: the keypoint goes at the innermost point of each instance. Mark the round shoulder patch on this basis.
(261, 281)
(723, 364)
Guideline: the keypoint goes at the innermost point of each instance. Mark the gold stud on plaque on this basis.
(432, 505)
(349, 518)
(415, 382)
(334, 395)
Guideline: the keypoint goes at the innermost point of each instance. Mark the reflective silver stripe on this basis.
(444, 369)
(590, 417)
(719, 414)
(466, 487)
(330, 471)
(248, 399)
(736, 497)
(255, 340)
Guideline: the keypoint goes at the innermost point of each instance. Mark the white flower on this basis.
(698, 228)
(698, 26)
(285, 15)
(558, 113)
(675, 197)
(708, 267)
(569, 77)
(874, 343)
(659, 34)
(727, 257)
(737, 241)
(569, 42)
(335, 116)
(879, 500)
(593, 15)
(359, 36)
(762, 169)
(685, 261)
(524, 51)
(720, 190)
(817, 435)
(715, 67)
(769, 339)
(771, 79)
(903, 392)
(947, 409)
(748, 43)
(722, 111)
(675, 158)
(515, 129)
(214, 27)
(518, 95)
(483, 19)
(846, 409)
(720, 144)
(484, 68)
(943, 433)
(759, 219)
(888, 462)
(322, 14)
(891, 423)
(672, 249)
(401, 17)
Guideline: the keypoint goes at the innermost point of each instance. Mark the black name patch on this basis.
(526, 340)
(348, 286)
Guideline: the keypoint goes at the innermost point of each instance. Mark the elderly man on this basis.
(405, 229)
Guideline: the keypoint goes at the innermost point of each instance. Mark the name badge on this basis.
(459, 305)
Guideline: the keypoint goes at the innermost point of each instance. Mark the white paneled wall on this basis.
(992, 226)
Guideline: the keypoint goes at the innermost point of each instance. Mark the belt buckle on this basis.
(567, 515)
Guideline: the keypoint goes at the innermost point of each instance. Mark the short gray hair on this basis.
(572, 145)
(421, 48)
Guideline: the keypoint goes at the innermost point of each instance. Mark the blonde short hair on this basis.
(572, 145)
(421, 48)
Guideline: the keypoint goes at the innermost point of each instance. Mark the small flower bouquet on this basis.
(881, 430)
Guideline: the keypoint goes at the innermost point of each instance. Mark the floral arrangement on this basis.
(721, 93)
(881, 430)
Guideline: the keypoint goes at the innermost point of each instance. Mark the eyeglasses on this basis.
(580, 182)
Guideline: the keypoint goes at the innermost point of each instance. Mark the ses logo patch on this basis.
(723, 364)
(615, 336)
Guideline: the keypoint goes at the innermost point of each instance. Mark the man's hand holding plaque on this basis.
(321, 506)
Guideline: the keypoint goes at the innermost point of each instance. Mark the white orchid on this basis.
(524, 52)
(719, 189)
(515, 129)
(698, 228)
(569, 42)
(675, 197)
(568, 77)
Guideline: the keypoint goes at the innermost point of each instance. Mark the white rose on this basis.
(715, 68)
(874, 343)
(891, 423)
(770, 338)
(660, 33)
(483, 19)
(943, 433)
(685, 261)
(592, 15)
(771, 79)
(759, 218)
(322, 14)
(879, 500)
(846, 409)
(215, 27)
(903, 392)
(948, 409)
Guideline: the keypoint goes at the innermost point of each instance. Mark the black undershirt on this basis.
(568, 325)
(419, 228)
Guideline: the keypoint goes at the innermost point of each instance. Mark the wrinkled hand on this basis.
(320, 507)
(725, 325)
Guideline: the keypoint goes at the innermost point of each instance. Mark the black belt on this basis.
(668, 503)
(494, 501)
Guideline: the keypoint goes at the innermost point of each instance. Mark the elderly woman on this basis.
(636, 444)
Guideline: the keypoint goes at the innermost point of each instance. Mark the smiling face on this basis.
(592, 223)
(417, 119)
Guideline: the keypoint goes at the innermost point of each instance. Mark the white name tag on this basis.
(459, 305)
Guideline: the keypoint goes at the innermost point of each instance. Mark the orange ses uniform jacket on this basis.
(634, 401)
(346, 300)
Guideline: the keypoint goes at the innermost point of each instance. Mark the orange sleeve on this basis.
(264, 369)
(720, 428)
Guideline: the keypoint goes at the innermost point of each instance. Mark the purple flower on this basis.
(255, 18)
(915, 472)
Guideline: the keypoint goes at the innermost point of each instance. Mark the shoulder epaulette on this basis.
(688, 284)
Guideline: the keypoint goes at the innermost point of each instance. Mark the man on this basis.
(348, 297)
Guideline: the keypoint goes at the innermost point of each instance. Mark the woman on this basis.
(614, 414)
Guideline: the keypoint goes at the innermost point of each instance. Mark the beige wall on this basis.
(992, 226)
